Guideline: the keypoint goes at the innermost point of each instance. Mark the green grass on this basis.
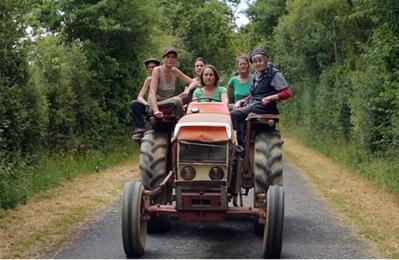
(24, 180)
(383, 171)
(23, 247)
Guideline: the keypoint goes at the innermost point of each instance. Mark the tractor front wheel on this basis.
(134, 226)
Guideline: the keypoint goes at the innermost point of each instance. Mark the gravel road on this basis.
(310, 231)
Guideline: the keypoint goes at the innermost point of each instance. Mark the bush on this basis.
(13, 189)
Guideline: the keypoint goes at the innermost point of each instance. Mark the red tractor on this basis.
(192, 168)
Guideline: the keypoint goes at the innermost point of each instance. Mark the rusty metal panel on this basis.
(201, 216)
(179, 203)
(201, 184)
(201, 195)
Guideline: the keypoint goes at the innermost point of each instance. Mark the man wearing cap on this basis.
(139, 105)
(267, 87)
(163, 84)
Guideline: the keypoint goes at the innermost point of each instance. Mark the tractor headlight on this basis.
(187, 173)
(216, 173)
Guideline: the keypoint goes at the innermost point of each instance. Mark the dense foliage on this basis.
(69, 68)
(342, 59)
(66, 81)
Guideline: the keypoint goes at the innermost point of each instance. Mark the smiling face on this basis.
(260, 62)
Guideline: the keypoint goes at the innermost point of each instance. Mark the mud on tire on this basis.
(153, 163)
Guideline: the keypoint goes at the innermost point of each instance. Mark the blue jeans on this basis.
(239, 115)
(138, 112)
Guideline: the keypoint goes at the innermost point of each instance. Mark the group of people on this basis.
(257, 93)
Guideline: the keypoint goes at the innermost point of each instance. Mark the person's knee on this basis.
(136, 105)
(235, 115)
(177, 101)
(133, 103)
(233, 112)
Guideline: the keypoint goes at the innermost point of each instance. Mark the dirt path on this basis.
(46, 223)
(371, 212)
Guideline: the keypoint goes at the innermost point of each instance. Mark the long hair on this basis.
(242, 56)
(209, 66)
(195, 61)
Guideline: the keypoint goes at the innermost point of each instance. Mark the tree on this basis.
(14, 107)
(115, 37)
(203, 28)
(264, 16)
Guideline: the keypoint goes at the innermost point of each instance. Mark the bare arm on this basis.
(143, 91)
(186, 79)
(154, 88)
(230, 93)
(224, 98)
(192, 85)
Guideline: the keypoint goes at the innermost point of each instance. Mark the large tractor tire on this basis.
(153, 163)
(268, 167)
(268, 164)
(273, 234)
(134, 227)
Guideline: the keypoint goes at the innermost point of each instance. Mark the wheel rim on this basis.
(134, 225)
(143, 222)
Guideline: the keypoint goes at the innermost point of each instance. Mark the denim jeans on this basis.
(138, 112)
(239, 115)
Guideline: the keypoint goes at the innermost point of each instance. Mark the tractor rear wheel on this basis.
(273, 234)
(268, 165)
(268, 168)
(134, 227)
(153, 163)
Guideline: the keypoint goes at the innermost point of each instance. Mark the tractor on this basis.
(193, 169)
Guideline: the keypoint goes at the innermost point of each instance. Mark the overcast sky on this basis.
(241, 19)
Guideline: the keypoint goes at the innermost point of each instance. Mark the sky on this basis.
(241, 19)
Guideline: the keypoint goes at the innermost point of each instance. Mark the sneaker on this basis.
(139, 130)
(138, 135)
(239, 151)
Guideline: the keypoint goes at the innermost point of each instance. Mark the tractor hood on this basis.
(204, 127)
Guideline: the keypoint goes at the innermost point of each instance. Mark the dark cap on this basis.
(169, 50)
(258, 51)
(152, 60)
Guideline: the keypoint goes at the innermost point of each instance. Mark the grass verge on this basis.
(382, 171)
(25, 179)
(45, 224)
(371, 212)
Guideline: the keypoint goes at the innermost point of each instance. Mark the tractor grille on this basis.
(190, 152)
